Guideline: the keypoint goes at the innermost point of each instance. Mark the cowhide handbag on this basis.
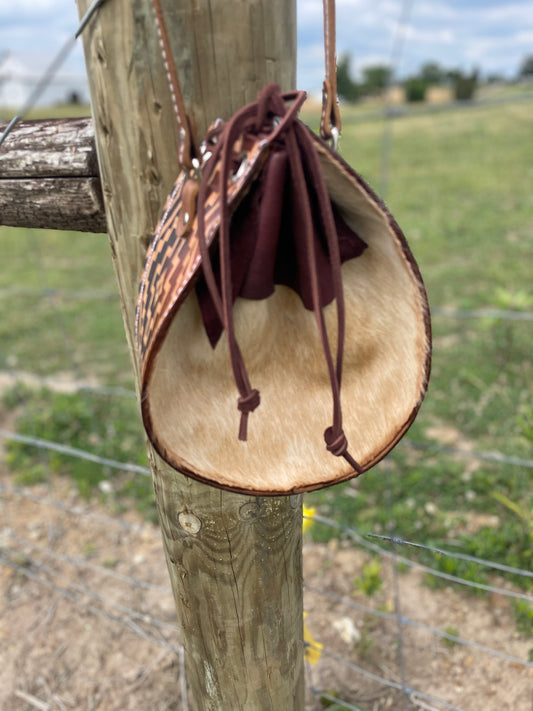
(282, 323)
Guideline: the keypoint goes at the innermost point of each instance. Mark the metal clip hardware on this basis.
(335, 139)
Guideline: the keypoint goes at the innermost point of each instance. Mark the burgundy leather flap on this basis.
(268, 245)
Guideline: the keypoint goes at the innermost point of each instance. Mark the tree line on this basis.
(376, 78)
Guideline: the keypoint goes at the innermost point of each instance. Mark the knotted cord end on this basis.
(338, 446)
(246, 405)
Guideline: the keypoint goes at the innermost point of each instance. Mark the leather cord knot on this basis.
(305, 172)
(336, 444)
(246, 404)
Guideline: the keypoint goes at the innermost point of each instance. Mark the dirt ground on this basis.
(87, 621)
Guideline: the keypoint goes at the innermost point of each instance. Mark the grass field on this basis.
(459, 184)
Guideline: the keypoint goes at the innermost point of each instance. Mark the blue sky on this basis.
(491, 34)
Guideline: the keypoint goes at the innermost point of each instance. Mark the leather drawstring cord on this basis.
(271, 108)
(242, 122)
(334, 436)
(253, 119)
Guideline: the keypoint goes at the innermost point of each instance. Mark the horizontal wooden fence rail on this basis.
(49, 176)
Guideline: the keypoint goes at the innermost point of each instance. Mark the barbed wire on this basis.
(130, 619)
(52, 70)
(74, 593)
(137, 583)
(85, 564)
(397, 48)
(391, 112)
(129, 622)
(85, 590)
(69, 451)
(351, 532)
(487, 312)
(126, 622)
(389, 683)
(487, 456)
(414, 699)
(359, 537)
(325, 696)
(452, 554)
(356, 535)
(76, 511)
(133, 615)
(415, 624)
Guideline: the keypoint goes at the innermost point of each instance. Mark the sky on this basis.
(490, 34)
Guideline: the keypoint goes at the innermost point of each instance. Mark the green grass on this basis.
(459, 184)
(59, 111)
(76, 325)
(107, 426)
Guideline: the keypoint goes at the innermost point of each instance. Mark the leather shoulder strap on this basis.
(186, 142)
(330, 121)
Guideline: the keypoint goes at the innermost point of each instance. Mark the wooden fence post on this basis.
(234, 561)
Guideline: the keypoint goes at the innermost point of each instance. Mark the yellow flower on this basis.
(312, 648)
(308, 518)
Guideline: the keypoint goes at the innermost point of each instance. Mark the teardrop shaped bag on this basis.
(282, 323)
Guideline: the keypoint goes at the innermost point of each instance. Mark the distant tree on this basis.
(347, 88)
(526, 68)
(376, 78)
(431, 73)
(415, 89)
(464, 85)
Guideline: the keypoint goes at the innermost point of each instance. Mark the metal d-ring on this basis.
(240, 170)
(335, 138)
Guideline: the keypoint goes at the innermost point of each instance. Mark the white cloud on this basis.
(495, 35)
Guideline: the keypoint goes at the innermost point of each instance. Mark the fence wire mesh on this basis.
(425, 639)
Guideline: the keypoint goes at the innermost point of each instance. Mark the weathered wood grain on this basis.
(49, 148)
(234, 561)
(49, 176)
(53, 203)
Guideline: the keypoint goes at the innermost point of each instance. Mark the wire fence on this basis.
(45, 566)
(57, 572)
(137, 598)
